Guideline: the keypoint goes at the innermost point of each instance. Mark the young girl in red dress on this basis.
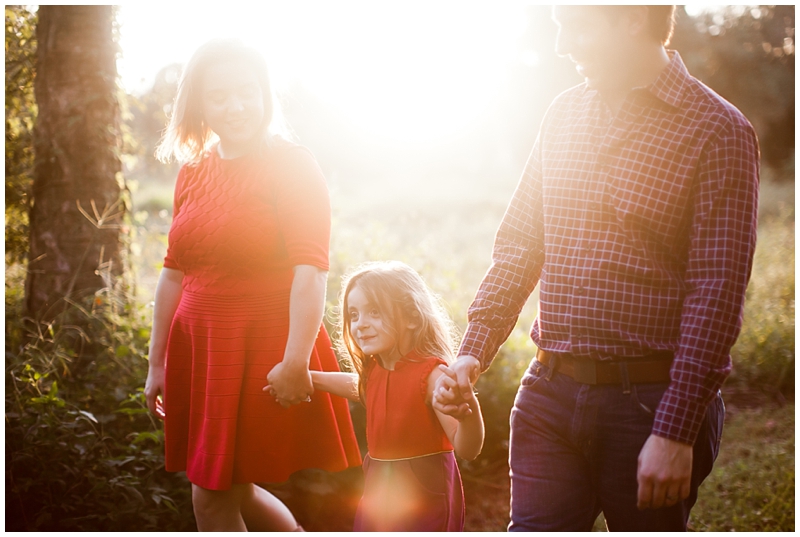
(398, 336)
(240, 300)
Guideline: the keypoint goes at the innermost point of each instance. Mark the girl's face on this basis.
(233, 106)
(372, 332)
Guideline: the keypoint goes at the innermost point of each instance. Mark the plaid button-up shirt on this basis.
(641, 228)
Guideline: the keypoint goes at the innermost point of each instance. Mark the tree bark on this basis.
(77, 205)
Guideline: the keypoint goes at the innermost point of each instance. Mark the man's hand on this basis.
(453, 390)
(665, 472)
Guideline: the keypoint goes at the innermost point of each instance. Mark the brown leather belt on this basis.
(648, 369)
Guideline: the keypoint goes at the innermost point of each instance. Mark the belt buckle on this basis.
(585, 371)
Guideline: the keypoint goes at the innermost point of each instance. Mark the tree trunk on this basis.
(77, 205)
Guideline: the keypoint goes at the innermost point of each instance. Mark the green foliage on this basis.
(763, 357)
(84, 456)
(752, 485)
(746, 54)
(20, 55)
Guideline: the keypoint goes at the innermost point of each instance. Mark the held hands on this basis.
(154, 390)
(453, 391)
(664, 474)
(290, 384)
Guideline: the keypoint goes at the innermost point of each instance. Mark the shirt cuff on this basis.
(476, 343)
(678, 418)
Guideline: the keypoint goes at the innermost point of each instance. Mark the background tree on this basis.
(76, 199)
(20, 117)
(746, 53)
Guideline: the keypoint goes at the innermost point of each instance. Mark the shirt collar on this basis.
(672, 82)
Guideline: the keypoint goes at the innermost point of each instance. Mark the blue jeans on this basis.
(574, 450)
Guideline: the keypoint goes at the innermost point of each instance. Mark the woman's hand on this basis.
(290, 383)
(168, 294)
(290, 380)
(154, 390)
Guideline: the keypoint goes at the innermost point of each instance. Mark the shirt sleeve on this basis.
(723, 239)
(169, 260)
(517, 260)
(304, 209)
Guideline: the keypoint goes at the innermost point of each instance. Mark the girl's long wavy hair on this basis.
(401, 296)
(187, 136)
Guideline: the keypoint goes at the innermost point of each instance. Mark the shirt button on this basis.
(589, 247)
(580, 290)
(593, 205)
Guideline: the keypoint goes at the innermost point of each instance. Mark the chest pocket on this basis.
(650, 196)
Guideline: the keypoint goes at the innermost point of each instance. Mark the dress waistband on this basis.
(209, 302)
(409, 458)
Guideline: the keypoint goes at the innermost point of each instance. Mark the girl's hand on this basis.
(453, 390)
(290, 384)
(154, 390)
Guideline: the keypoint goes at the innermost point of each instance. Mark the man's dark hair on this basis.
(661, 20)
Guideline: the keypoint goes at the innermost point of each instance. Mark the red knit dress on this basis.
(411, 478)
(239, 226)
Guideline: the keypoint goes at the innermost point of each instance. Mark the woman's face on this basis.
(233, 106)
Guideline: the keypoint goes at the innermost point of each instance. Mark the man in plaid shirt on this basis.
(637, 215)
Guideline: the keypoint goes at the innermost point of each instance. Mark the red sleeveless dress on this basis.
(239, 226)
(411, 478)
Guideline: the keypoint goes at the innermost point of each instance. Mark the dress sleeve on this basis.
(169, 260)
(304, 209)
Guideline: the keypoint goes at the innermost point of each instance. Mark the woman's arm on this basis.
(291, 379)
(168, 295)
(341, 384)
(466, 434)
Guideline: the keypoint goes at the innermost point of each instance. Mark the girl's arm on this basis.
(466, 434)
(290, 379)
(341, 384)
(168, 295)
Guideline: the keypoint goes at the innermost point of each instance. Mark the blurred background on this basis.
(421, 116)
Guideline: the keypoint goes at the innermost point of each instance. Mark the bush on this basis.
(82, 451)
(763, 357)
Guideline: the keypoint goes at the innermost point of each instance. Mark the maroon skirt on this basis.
(418, 494)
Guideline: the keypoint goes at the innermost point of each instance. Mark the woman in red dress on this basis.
(240, 301)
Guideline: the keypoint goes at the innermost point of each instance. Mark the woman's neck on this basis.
(228, 151)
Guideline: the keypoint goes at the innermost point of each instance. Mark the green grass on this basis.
(752, 485)
(763, 356)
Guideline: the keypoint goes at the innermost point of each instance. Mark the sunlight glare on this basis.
(410, 72)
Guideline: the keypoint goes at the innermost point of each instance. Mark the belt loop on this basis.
(623, 374)
(553, 366)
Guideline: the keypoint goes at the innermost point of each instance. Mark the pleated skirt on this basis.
(220, 427)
